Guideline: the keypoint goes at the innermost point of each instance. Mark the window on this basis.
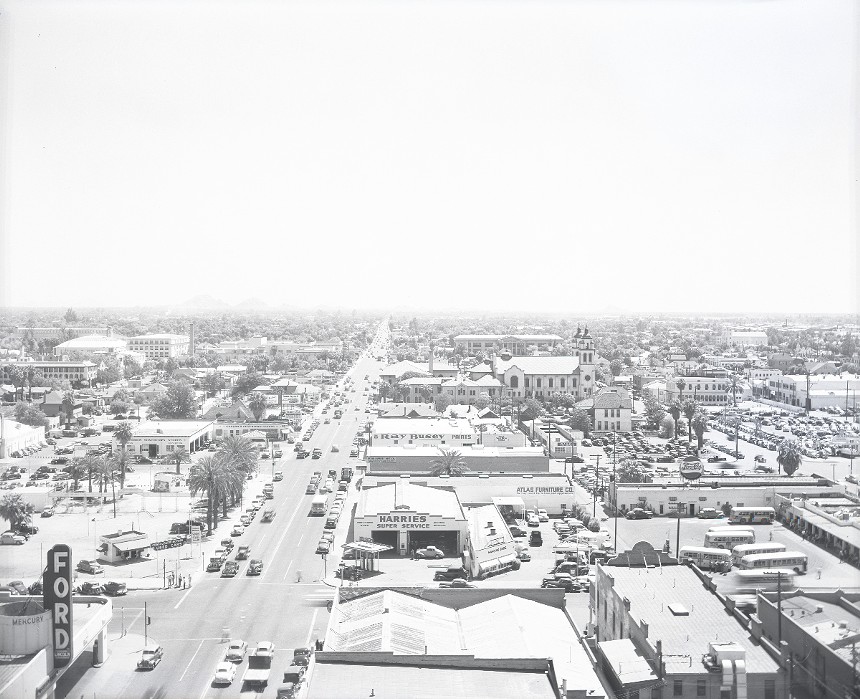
(538, 383)
(678, 688)
(550, 383)
(700, 688)
(561, 383)
(605, 413)
(527, 381)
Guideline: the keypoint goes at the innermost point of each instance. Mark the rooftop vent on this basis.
(527, 475)
(678, 609)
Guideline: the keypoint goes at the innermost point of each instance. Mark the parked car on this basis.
(230, 569)
(451, 573)
(90, 588)
(115, 589)
(19, 587)
(255, 567)
(535, 539)
(639, 513)
(459, 582)
(516, 532)
(91, 567)
(709, 513)
(225, 673)
(429, 552)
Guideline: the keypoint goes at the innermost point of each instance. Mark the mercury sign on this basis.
(691, 469)
(58, 601)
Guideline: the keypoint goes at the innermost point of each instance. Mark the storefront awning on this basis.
(136, 545)
(511, 501)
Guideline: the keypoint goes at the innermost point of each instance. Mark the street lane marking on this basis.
(176, 606)
(190, 662)
(287, 571)
(311, 629)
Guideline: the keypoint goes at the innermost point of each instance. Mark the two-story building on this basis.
(515, 345)
(610, 410)
(160, 345)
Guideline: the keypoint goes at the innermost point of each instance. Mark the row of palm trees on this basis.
(221, 477)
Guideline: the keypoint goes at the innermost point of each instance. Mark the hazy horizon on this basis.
(611, 157)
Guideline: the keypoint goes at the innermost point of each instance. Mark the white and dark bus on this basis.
(728, 538)
(706, 558)
(742, 550)
(787, 560)
(752, 515)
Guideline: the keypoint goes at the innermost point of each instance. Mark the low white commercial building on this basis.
(825, 390)
(446, 433)
(407, 516)
(411, 459)
(90, 344)
(156, 438)
(14, 436)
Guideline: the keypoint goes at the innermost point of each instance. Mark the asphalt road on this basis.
(191, 625)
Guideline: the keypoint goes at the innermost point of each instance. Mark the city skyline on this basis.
(630, 157)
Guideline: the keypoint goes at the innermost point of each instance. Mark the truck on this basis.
(346, 474)
(318, 505)
(259, 668)
(338, 414)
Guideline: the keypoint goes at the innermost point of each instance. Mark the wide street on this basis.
(287, 604)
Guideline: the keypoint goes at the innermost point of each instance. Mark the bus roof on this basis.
(776, 555)
(705, 549)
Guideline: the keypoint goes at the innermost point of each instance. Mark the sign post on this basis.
(58, 600)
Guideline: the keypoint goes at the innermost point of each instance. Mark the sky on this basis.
(517, 155)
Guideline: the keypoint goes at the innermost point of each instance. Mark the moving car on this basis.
(225, 673)
(429, 552)
(236, 651)
(150, 657)
(243, 552)
(115, 589)
(255, 567)
(238, 530)
(230, 569)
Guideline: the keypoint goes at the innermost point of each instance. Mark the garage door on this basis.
(389, 538)
(446, 541)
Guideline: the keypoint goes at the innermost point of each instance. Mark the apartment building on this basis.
(58, 369)
(160, 346)
(513, 344)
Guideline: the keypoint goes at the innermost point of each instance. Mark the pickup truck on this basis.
(259, 666)
(268, 515)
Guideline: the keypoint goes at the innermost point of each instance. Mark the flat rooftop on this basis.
(685, 636)
(171, 428)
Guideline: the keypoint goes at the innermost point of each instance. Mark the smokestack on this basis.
(191, 340)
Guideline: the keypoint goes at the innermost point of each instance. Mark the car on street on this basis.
(47, 512)
(638, 513)
(516, 532)
(19, 587)
(709, 513)
(225, 673)
(238, 530)
(11, 538)
(150, 657)
(90, 588)
(243, 552)
(236, 651)
(265, 649)
(230, 569)
(255, 566)
(451, 573)
(323, 546)
(532, 520)
(115, 589)
(760, 459)
(90, 567)
(459, 582)
(429, 552)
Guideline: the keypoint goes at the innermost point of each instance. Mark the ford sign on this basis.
(58, 601)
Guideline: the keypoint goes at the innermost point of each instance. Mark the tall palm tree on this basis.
(240, 453)
(681, 384)
(258, 405)
(123, 435)
(450, 462)
(209, 477)
(89, 464)
(15, 511)
(675, 412)
(733, 389)
(789, 456)
(77, 470)
(699, 423)
(689, 407)
(105, 468)
(68, 407)
(178, 456)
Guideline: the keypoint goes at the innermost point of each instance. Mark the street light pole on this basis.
(681, 506)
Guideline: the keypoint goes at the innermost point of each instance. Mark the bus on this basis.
(706, 558)
(318, 505)
(752, 515)
(790, 560)
(750, 581)
(728, 539)
(742, 550)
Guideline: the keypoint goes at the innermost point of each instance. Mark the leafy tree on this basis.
(258, 405)
(246, 383)
(699, 425)
(111, 372)
(426, 393)
(214, 384)
(789, 456)
(178, 403)
(441, 402)
(667, 427)
(615, 366)
(581, 420)
(654, 412)
(449, 462)
(413, 375)
(483, 400)
(16, 511)
(28, 414)
(123, 434)
(119, 407)
(531, 409)
(628, 471)
(70, 316)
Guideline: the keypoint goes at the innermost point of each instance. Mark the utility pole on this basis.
(596, 480)
(680, 506)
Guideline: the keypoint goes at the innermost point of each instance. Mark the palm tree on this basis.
(258, 405)
(789, 456)
(88, 463)
(681, 384)
(450, 462)
(15, 511)
(675, 412)
(105, 468)
(123, 434)
(240, 453)
(689, 407)
(178, 456)
(77, 470)
(699, 423)
(68, 407)
(733, 389)
(209, 477)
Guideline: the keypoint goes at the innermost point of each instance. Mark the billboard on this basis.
(691, 468)
(58, 601)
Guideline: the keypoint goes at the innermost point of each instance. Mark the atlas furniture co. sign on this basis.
(58, 601)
